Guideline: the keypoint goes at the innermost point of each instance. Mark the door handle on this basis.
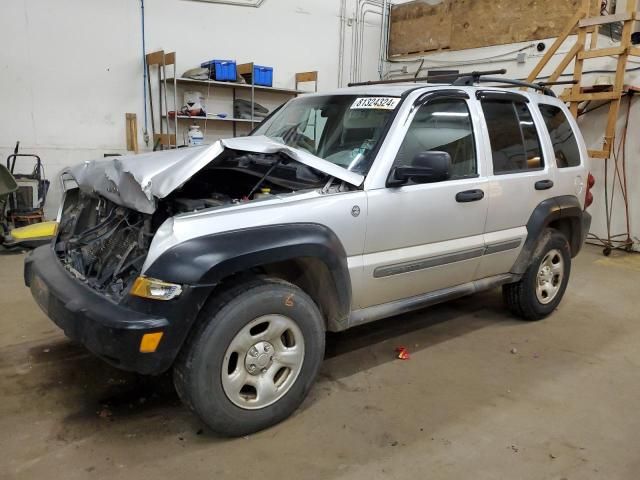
(544, 184)
(469, 196)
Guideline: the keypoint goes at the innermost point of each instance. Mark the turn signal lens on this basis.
(150, 342)
(146, 287)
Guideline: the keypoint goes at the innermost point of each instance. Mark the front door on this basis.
(425, 237)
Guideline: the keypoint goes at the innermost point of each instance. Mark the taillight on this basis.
(588, 198)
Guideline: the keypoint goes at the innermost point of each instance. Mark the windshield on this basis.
(342, 129)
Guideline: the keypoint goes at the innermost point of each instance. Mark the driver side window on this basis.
(442, 125)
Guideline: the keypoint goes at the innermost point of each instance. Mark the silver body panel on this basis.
(331, 210)
(409, 245)
(136, 181)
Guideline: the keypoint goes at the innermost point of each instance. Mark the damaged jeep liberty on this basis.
(227, 263)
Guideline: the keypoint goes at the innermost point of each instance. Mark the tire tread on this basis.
(518, 296)
(217, 302)
(185, 370)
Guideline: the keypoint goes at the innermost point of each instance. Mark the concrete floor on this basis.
(565, 405)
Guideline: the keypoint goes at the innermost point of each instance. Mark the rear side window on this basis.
(515, 145)
(565, 146)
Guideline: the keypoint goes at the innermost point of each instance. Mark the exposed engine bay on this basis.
(105, 244)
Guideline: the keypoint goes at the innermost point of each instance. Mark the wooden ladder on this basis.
(583, 23)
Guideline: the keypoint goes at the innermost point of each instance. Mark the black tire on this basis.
(521, 297)
(198, 369)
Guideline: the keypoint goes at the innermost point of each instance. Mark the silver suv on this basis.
(229, 262)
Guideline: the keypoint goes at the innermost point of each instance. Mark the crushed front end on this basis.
(83, 282)
(103, 244)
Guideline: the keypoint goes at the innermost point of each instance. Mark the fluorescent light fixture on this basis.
(450, 114)
(239, 3)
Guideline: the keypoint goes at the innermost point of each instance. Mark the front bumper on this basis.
(108, 329)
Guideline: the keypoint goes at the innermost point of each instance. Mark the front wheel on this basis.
(253, 358)
(543, 284)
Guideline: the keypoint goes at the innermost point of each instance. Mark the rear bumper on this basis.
(110, 330)
(586, 226)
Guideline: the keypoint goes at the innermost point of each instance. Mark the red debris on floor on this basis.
(403, 353)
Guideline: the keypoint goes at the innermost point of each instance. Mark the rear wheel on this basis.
(543, 284)
(253, 358)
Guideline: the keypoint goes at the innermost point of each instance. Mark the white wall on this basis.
(69, 70)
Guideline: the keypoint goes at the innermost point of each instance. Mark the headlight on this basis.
(146, 287)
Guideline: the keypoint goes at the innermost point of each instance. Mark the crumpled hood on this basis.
(136, 181)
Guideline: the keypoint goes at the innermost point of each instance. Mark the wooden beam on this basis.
(303, 77)
(634, 51)
(565, 62)
(614, 107)
(165, 139)
(583, 97)
(604, 19)
(594, 38)
(577, 74)
(155, 58)
(245, 68)
(577, 65)
(599, 153)
(306, 77)
(132, 132)
(556, 45)
(601, 52)
(170, 58)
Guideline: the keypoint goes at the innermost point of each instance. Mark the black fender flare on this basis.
(206, 260)
(547, 211)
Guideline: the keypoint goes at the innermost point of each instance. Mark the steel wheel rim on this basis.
(262, 362)
(549, 277)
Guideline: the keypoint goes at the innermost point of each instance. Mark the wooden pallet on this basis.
(583, 23)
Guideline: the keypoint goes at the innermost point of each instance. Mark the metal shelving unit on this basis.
(213, 118)
(166, 132)
(234, 87)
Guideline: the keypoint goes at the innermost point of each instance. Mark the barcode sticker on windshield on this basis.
(382, 103)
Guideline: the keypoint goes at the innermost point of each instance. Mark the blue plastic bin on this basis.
(263, 75)
(222, 70)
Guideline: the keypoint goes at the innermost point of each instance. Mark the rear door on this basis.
(571, 173)
(426, 237)
(521, 175)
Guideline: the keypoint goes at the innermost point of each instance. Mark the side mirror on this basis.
(427, 167)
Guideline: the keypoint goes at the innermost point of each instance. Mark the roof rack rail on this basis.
(430, 78)
(470, 78)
